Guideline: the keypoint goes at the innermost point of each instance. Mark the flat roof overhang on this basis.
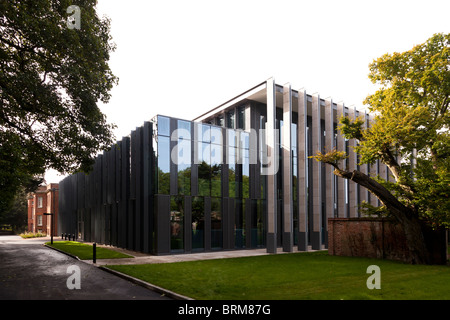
(259, 94)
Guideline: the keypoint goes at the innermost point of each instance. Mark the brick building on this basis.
(43, 200)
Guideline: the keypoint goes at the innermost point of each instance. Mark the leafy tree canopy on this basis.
(410, 135)
(412, 123)
(51, 78)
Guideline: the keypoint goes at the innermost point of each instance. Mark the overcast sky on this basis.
(183, 57)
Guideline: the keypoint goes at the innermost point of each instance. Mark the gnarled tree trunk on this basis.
(412, 225)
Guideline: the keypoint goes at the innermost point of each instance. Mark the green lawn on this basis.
(296, 276)
(85, 251)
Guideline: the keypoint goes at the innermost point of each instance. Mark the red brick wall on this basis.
(376, 238)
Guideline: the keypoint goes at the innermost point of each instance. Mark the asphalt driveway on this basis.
(31, 271)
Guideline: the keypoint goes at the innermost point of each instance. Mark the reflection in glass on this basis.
(216, 223)
(216, 135)
(204, 169)
(241, 118)
(176, 223)
(163, 175)
(220, 121)
(257, 224)
(184, 129)
(216, 170)
(163, 126)
(245, 174)
(184, 167)
(239, 224)
(232, 185)
(198, 223)
(184, 157)
(230, 117)
(206, 133)
(294, 181)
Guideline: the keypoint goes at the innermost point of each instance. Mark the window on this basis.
(230, 117)
(176, 223)
(216, 223)
(220, 121)
(198, 223)
(39, 221)
(163, 126)
(204, 169)
(241, 118)
(184, 157)
(163, 174)
(40, 202)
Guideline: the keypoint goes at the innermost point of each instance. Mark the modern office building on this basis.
(238, 176)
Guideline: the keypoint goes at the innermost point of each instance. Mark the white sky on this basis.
(182, 58)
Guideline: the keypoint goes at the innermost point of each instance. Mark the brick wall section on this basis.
(377, 238)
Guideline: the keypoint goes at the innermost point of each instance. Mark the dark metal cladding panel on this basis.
(104, 179)
(81, 192)
(118, 172)
(111, 178)
(125, 192)
(188, 224)
(147, 188)
(225, 224)
(133, 165)
(163, 224)
(138, 181)
(231, 220)
(132, 202)
(207, 223)
(248, 219)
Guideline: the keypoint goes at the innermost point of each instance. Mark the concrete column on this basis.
(342, 191)
(288, 239)
(271, 168)
(329, 175)
(316, 236)
(352, 187)
(302, 157)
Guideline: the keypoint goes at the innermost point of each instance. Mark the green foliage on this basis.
(332, 157)
(351, 129)
(411, 129)
(28, 235)
(51, 78)
(16, 214)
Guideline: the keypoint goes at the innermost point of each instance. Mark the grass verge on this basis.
(294, 276)
(85, 251)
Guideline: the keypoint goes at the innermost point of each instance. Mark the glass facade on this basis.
(205, 171)
(216, 223)
(177, 186)
(198, 223)
(176, 223)
(184, 159)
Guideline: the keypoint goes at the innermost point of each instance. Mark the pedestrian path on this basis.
(140, 258)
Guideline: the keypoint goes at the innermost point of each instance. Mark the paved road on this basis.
(31, 271)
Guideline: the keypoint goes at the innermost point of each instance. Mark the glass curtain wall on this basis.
(163, 155)
(198, 223)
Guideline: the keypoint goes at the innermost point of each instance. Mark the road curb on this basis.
(147, 285)
(142, 283)
(66, 253)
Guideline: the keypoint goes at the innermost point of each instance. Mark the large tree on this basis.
(410, 135)
(53, 72)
